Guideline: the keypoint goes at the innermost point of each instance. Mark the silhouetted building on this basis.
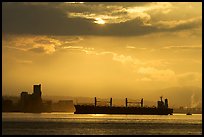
(32, 102)
(47, 106)
(7, 105)
(24, 98)
(37, 90)
(36, 96)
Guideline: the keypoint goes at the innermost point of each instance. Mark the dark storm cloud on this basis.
(50, 19)
(100, 7)
(40, 19)
(188, 24)
(132, 27)
(124, 4)
(38, 50)
(43, 41)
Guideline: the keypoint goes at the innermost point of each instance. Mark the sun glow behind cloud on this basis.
(99, 21)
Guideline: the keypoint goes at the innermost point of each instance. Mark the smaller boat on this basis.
(188, 113)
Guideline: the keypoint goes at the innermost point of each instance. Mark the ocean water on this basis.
(100, 124)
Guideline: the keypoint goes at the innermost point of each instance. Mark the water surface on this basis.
(100, 124)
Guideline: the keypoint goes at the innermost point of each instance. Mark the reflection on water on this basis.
(68, 123)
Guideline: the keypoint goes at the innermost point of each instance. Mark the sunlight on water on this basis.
(69, 123)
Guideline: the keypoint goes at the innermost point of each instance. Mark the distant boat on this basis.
(188, 113)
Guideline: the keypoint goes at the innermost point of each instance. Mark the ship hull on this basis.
(82, 109)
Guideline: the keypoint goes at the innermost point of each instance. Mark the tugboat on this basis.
(188, 113)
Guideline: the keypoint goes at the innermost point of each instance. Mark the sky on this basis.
(113, 49)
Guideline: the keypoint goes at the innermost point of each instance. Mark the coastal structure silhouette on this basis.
(33, 103)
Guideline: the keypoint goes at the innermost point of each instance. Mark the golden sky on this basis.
(101, 49)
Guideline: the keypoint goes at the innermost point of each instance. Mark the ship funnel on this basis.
(142, 102)
(161, 98)
(166, 103)
(111, 101)
(126, 102)
(95, 101)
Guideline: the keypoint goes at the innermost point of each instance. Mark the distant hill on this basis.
(187, 96)
(15, 99)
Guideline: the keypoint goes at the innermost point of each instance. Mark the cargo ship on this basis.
(161, 109)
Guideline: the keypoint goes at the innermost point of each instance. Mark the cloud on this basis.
(158, 63)
(74, 39)
(38, 50)
(40, 44)
(182, 47)
(180, 24)
(111, 15)
(73, 47)
(124, 59)
(37, 44)
(43, 49)
(154, 74)
(130, 47)
(127, 59)
(44, 20)
(190, 78)
(145, 79)
(24, 61)
(78, 19)
(117, 12)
